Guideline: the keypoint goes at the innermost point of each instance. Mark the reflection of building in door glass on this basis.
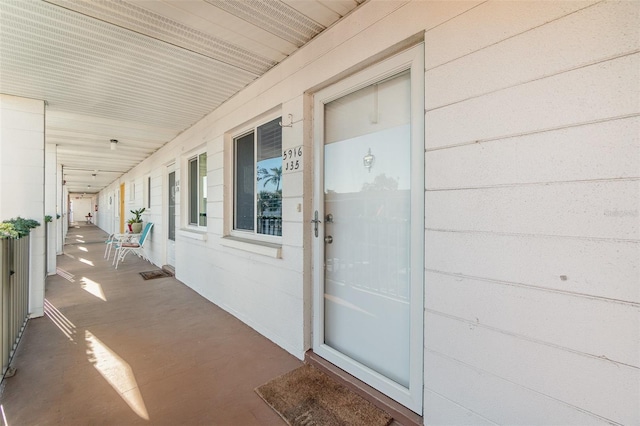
(381, 183)
(344, 168)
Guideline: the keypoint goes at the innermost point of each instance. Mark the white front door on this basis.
(171, 216)
(369, 197)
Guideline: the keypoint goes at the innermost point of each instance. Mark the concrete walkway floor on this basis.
(114, 349)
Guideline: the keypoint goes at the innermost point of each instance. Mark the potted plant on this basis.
(136, 221)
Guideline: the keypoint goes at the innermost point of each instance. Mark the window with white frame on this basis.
(146, 192)
(258, 180)
(197, 169)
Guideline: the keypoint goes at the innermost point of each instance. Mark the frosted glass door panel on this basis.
(367, 202)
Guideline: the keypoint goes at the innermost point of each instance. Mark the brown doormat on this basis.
(307, 396)
(149, 275)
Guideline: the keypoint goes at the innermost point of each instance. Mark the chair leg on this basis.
(115, 256)
(121, 256)
(107, 250)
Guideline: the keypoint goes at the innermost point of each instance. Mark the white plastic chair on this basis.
(124, 248)
(116, 238)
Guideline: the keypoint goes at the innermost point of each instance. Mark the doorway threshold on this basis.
(402, 416)
(170, 269)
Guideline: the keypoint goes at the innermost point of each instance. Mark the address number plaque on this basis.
(292, 159)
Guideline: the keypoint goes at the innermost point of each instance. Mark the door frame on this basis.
(411, 59)
(168, 169)
(121, 202)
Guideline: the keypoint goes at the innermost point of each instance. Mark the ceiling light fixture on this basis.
(93, 176)
(114, 143)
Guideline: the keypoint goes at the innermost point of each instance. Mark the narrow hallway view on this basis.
(115, 349)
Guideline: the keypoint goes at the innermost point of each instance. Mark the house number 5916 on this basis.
(292, 159)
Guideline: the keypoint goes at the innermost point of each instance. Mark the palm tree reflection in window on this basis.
(270, 201)
(273, 175)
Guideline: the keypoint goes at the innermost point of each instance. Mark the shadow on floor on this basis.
(115, 349)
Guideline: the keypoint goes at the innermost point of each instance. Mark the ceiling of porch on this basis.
(142, 71)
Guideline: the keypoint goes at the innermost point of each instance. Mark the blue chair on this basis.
(124, 248)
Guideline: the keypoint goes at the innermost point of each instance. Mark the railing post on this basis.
(5, 272)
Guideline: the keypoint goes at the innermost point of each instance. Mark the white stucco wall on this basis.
(22, 161)
(532, 163)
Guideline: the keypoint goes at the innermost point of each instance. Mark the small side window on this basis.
(198, 190)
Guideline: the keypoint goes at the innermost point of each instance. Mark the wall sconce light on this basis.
(114, 143)
(368, 160)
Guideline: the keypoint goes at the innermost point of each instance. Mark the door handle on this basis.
(315, 222)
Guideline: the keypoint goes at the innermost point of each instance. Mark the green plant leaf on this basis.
(22, 226)
(8, 231)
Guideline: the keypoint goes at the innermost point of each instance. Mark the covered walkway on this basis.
(115, 349)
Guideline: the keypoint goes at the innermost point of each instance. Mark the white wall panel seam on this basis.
(531, 80)
(524, 234)
(525, 184)
(537, 131)
(591, 93)
(475, 413)
(538, 288)
(247, 256)
(511, 36)
(452, 19)
(483, 371)
(478, 324)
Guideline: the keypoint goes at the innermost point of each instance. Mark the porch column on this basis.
(22, 184)
(50, 201)
(60, 209)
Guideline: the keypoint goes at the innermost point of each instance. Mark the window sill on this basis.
(252, 246)
(193, 234)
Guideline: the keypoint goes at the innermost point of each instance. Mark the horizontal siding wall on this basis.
(271, 295)
(532, 213)
(532, 185)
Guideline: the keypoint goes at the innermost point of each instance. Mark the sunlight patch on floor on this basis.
(66, 275)
(80, 241)
(4, 416)
(93, 288)
(83, 249)
(60, 321)
(88, 262)
(117, 372)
